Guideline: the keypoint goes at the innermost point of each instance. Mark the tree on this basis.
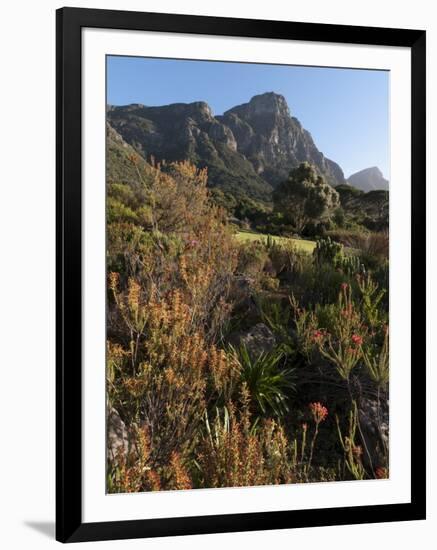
(379, 199)
(304, 197)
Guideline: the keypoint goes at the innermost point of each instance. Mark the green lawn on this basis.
(307, 246)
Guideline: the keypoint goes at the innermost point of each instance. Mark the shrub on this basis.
(376, 360)
(328, 251)
(165, 311)
(278, 318)
(198, 414)
(335, 330)
(285, 257)
(269, 283)
(252, 258)
(371, 299)
(266, 378)
(233, 452)
(352, 265)
(352, 451)
(372, 245)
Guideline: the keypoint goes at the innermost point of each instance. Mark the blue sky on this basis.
(346, 110)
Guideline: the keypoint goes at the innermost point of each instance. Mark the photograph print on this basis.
(247, 263)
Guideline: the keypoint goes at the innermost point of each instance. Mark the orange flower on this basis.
(356, 339)
(319, 412)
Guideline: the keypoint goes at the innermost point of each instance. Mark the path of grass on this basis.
(307, 246)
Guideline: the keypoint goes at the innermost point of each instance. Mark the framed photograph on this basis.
(240, 275)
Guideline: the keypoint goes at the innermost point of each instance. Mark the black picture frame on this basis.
(69, 525)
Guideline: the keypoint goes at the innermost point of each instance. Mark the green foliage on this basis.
(352, 451)
(304, 196)
(269, 283)
(279, 319)
(328, 252)
(364, 211)
(341, 339)
(339, 216)
(371, 297)
(351, 265)
(266, 379)
(376, 360)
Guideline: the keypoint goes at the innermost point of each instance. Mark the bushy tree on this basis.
(304, 197)
(379, 200)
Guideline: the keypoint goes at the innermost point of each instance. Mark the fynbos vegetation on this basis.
(247, 332)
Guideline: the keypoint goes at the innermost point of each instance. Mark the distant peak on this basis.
(269, 102)
(267, 97)
(368, 179)
(370, 170)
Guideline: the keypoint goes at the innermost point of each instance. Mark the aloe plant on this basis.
(267, 380)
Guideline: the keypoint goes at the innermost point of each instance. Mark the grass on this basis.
(301, 244)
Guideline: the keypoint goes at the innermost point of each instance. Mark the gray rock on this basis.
(117, 434)
(258, 339)
(242, 290)
(375, 430)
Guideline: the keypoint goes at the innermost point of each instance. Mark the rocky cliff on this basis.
(274, 141)
(247, 150)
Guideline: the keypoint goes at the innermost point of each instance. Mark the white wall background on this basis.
(27, 245)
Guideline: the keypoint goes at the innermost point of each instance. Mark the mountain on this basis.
(274, 141)
(119, 166)
(247, 150)
(369, 179)
(189, 131)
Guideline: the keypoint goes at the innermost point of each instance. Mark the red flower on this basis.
(317, 334)
(356, 339)
(319, 412)
(357, 451)
(344, 286)
(381, 473)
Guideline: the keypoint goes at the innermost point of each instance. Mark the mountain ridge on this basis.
(369, 179)
(248, 149)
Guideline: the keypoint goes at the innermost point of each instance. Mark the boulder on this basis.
(242, 291)
(375, 430)
(117, 434)
(258, 339)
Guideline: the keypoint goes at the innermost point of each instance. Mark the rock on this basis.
(117, 433)
(258, 339)
(242, 290)
(375, 431)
